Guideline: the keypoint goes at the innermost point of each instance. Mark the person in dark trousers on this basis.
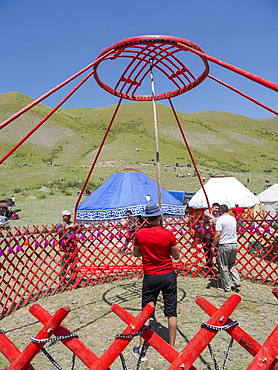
(157, 246)
(226, 237)
(130, 227)
(67, 243)
(209, 220)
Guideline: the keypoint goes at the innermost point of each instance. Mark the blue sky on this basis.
(43, 43)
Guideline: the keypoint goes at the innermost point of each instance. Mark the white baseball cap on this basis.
(66, 213)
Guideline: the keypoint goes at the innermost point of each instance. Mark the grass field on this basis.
(44, 206)
(92, 319)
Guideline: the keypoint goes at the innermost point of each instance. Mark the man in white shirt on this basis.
(225, 235)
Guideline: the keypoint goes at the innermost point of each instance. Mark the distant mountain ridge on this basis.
(71, 136)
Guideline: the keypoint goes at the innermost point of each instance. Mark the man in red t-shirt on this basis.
(237, 211)
(156, 246)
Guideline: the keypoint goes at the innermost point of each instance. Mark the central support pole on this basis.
(156, 137)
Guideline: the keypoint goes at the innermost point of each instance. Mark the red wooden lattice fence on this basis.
(264, 356)
(34, 263)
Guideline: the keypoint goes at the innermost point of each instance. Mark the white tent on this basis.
(269, 198)
(224, 190)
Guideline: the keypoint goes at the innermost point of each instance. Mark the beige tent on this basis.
(269, 198)
(224, 190)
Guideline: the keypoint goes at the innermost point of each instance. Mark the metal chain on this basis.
(51, 359)
(44, 351)
(228, 354)
(219, 328)
(2, 332)
(128, 336)
(225, 327)
(35, 340)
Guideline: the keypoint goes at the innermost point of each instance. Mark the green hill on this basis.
(220, 142)
(226, 141)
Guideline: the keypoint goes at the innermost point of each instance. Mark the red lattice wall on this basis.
(31, 258)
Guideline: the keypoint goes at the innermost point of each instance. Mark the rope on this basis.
(128, 336)
(219, 328)
(44, 351)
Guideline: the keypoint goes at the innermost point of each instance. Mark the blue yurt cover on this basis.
(123, 191)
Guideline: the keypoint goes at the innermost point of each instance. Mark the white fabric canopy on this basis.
(269, 198)
(224, 190)
(269, 195)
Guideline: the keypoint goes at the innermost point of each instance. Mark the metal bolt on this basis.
(264, 359)
(221, 318)
(132, 327)
(49, 331)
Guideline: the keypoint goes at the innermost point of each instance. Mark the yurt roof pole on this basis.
(189, 151)
(96, 158)
(156, 136)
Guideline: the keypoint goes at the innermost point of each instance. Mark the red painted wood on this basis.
(251, 76)
(267, 354)
(32, 349)
(85, 354)
(99, 259)
(164, 51)
(10, 351)
(200, 341)
(119, 345)
(242, 94)
(275, 292)
(154, 340)
(96, 158)
(243, 338)
(189, 152)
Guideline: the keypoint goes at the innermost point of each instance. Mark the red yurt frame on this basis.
(162, 51)
(31, 258)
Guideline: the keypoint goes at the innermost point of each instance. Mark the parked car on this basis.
(3, 221)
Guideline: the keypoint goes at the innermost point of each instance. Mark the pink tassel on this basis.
(1, 252)
(18, 249)
(11, 250)
(251, 228)
(36, 243)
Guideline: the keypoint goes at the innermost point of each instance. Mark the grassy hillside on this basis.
(226, 141)
(220, 142)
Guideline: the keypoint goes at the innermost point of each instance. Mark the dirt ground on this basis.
(96, 325)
